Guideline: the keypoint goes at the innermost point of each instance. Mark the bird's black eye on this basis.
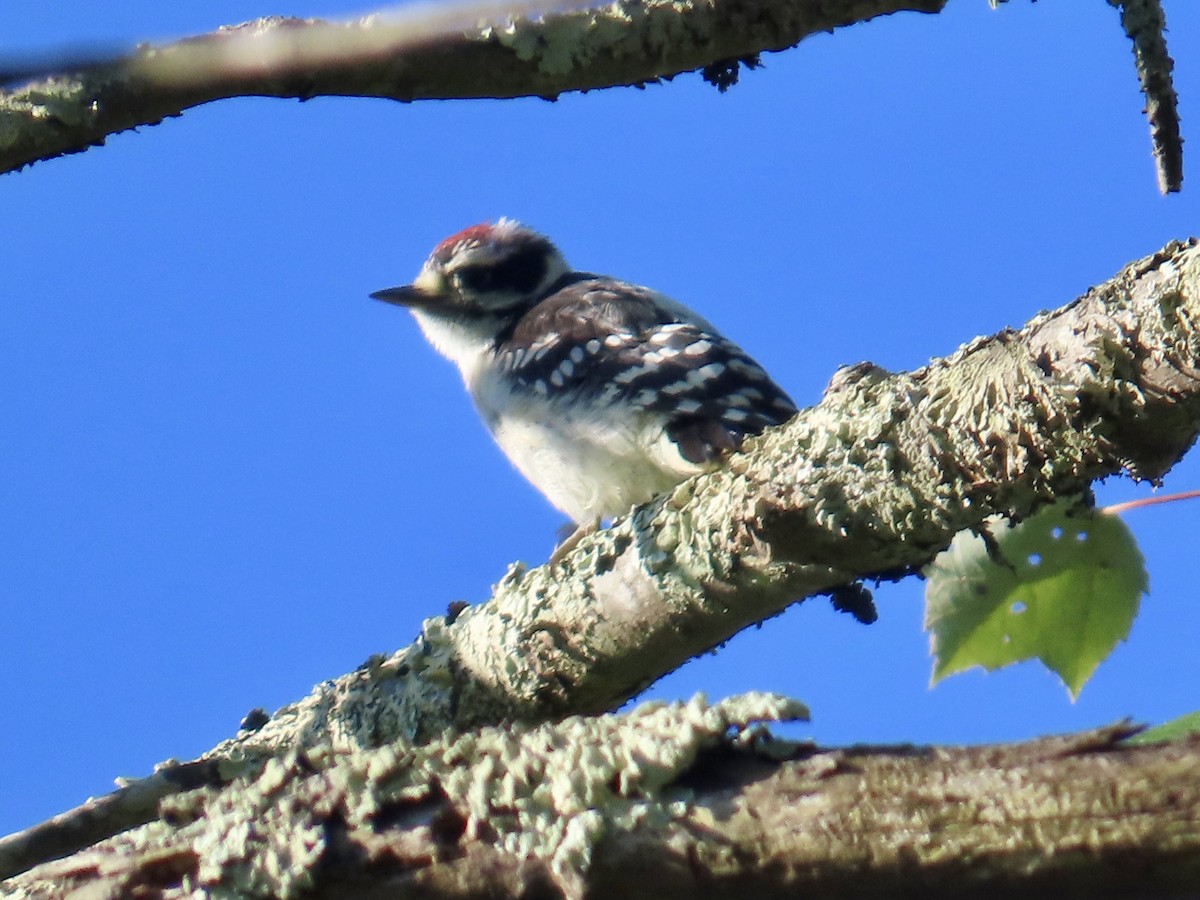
(477, 279)
(518, 273)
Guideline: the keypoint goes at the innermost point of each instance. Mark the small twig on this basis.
(1118, 508)
(1145, 23)
(102, 817)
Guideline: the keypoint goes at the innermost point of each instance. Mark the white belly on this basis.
(585, 477)
(590, 461)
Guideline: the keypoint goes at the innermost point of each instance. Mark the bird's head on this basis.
(485, 271)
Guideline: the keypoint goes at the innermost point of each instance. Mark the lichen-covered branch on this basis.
(485, 48)
(491, 49)
(102, 817)
(875, 479)
(663, 802)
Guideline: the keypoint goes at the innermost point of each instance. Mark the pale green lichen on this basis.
(562, 42)
(64, 100)
(402, 696)
(550, 791)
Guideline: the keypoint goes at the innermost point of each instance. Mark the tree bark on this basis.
(664, 803)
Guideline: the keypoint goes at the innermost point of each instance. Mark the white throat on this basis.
(465, 343)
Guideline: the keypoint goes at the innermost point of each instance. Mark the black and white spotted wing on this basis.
(614, 343)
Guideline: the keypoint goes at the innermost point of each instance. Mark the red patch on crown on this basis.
(474, 234)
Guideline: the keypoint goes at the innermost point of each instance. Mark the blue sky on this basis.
(226, 475)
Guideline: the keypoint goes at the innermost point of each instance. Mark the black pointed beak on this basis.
(405, 295)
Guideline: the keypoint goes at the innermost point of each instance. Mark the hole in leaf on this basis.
(1018, 607)
(1081, 536)
(1056, 532)
(1007, 639)
(1035, 559)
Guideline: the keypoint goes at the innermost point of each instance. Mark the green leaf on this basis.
(1182, 727)
(1063, 587)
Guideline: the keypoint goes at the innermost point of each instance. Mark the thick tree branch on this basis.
(876, 479)
(663, 803)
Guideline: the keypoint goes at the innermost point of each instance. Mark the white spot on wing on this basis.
(644, 397)
(698, 348)
(747, 369)
(629, 375)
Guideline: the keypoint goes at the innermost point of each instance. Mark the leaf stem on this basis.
(1118, 508)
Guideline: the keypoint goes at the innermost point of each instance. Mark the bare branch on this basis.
(428, 52)
(1145, 23)
(538, 48)
(101, 818)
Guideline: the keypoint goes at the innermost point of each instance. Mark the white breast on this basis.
(590, 461)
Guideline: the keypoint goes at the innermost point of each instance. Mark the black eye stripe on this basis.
(519, 273)
(473, 278)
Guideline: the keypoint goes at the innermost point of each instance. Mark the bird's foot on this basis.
(570, 539)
